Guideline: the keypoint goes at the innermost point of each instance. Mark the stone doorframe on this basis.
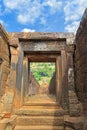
(47, 52)
(25, 73)
(52, 47)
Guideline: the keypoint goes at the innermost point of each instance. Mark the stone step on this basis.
(40, 127)
(40, 112)
(41, 97)
(40, 120)
(42, 106)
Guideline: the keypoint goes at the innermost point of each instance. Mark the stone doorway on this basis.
(42, 80)
(43, 50)
(41, 74)
(45, 57)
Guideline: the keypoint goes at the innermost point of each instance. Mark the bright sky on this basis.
(41, 15)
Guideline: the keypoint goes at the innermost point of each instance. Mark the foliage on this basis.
(43, 71)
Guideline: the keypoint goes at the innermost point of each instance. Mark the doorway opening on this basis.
(42, 79)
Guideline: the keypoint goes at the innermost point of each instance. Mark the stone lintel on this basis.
(42, 35)
(39, 57)
(22, 36)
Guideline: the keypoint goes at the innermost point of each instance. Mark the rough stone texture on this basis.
(15, 37)
(4, 66)
(75, 107)
(7, 100)
(44, 46)
(33, 85)
(76, 123)
(81, 62)
(8, 123)
(52, 85)
(11, 82)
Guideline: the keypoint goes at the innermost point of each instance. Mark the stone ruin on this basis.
(34, 85)
(67, 50)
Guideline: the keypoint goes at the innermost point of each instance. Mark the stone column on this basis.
(58, 80)
(11, 82)
(64, 80)
(19, 69)
(63, 56)
(14, 59)
(24, 88)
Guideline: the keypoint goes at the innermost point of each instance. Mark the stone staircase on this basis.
(43, 113)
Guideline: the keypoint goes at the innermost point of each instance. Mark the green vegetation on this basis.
(43, 71)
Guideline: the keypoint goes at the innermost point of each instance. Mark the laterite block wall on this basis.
(81, 62)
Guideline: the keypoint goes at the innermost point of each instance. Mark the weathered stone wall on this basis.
(81, 61)
(5, 65)
(75, 107)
